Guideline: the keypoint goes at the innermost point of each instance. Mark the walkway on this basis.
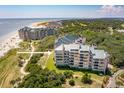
(33, 52)
(22, 70)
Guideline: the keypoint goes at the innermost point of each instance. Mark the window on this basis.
(96, 62)
(71, 63)
(95, 67)
(80, 65)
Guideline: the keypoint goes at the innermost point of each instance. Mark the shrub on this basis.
(86, 79)
(68, 74)
(72, 82)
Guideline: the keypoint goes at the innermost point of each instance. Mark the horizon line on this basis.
(58, 17)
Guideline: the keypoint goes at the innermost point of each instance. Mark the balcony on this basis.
(80, 62)
(80, 65)
(71, 63)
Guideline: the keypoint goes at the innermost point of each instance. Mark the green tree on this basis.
(72, 82)
(68, 74)
(86, 79)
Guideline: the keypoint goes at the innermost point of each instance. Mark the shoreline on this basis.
(4, 37)
(9, 41)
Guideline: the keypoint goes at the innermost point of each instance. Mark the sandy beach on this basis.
(9, 41)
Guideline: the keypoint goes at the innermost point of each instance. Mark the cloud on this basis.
(111, 11)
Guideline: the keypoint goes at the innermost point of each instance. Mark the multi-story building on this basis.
(28, 33)
(81, 56)
(39, 30)
(99, 60)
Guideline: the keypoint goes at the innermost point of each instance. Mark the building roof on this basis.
(73, 46)
(66, 40)
(85, 47)
(99, 54)
(71, 37)
(59, 48)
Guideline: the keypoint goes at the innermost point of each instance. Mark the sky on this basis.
(60, 11)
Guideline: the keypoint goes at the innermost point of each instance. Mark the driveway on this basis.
(112, 80)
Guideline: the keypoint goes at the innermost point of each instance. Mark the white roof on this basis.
(99, 54)
(73, 46)
(85, 47)
(59, 48)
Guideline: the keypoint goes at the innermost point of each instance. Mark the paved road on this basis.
(112, 80)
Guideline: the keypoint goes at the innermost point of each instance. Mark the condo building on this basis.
(81, 56)
(28, 33)
(37, 31)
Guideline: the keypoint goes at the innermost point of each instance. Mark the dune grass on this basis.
(9, 69)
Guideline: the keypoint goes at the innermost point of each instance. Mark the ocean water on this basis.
(10, 25)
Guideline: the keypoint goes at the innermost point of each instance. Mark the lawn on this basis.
(43, 61)
(51, 66)
(97, 79)
(79, 84)
(9, 69)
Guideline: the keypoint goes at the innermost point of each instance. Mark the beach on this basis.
(9, 41)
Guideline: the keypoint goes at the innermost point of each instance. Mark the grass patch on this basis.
(9, 69)
(24, 56)
(24, 46)
(43, 61)
(45, 44)
(79, 84)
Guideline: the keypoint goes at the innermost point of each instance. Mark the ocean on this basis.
(10, 25)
